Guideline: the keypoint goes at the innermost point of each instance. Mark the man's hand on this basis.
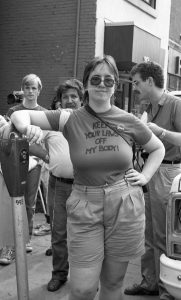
(155, 128)
(39, 151)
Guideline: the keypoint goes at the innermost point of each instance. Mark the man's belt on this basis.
(144, 155)
(64, 180)
(171, 162)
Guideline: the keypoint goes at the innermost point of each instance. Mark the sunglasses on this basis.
(96, 80)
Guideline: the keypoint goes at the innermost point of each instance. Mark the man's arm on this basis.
(38, 151)
(171, 137)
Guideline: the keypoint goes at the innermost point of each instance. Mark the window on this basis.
(148, 6)
(152, 3)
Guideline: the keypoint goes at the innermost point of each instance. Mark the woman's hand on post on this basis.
(34, 134)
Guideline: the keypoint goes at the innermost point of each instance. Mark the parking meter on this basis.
(14, 158)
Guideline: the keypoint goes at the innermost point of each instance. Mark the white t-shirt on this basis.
(60, 164)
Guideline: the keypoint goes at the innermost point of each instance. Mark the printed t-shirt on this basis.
(99, 156)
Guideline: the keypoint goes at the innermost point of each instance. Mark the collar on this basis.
(160, 102)
(162, 99)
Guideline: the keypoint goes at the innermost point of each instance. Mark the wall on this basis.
(175, 24)
(124, 11)
(40, 37)
(174, 49)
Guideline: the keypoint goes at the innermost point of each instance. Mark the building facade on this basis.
(174, 48)
(55, 39)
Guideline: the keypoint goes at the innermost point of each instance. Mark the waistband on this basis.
(120, 182)
(62, 179)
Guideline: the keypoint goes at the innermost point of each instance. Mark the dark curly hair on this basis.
(66, 85)
(149, 69)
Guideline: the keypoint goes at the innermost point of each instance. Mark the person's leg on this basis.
(31, 189)
(124, 210)
(149, 283)
(111, 279)
(85, 237)
(84, 282)
(50, 204)
(59, 232)
(148, 269)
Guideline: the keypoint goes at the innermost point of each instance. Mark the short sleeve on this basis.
(142, 134)
(57, 118)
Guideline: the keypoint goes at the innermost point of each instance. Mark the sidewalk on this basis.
(39, 273)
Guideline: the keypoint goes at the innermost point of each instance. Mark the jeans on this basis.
(155, 235)
(32, 184)
(58, 192)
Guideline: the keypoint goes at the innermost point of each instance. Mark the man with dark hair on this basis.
(164, 120)
(72, 87)
(69, 95)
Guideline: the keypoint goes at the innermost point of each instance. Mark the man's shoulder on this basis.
(39, 107)
(171, 100)
(15, 108)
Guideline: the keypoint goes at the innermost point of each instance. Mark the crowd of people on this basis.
(100, 219)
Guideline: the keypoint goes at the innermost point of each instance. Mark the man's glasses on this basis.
(135, 83)
(96, 80)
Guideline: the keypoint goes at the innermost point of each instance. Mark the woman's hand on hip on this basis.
(135, 178)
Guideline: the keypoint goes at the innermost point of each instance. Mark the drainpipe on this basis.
(77, 39)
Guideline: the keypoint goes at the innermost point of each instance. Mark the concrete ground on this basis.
(39, 273)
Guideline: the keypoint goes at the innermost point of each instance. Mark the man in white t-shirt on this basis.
(69, 94)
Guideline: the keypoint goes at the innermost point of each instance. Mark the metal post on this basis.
(21, 261)
(14, 157)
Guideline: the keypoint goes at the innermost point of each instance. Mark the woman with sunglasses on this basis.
(105, 210)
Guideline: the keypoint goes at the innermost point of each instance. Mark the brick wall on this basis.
(39, 37)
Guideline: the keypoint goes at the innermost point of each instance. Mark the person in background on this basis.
(163, 117)
(69, 95)
(31, 86)
(105, 211)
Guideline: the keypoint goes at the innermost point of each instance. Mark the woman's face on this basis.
(101, 84)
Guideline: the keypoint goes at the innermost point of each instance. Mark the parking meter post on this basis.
(14, 157)
(20, 251)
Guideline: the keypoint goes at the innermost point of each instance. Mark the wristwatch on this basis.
(163, 134)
